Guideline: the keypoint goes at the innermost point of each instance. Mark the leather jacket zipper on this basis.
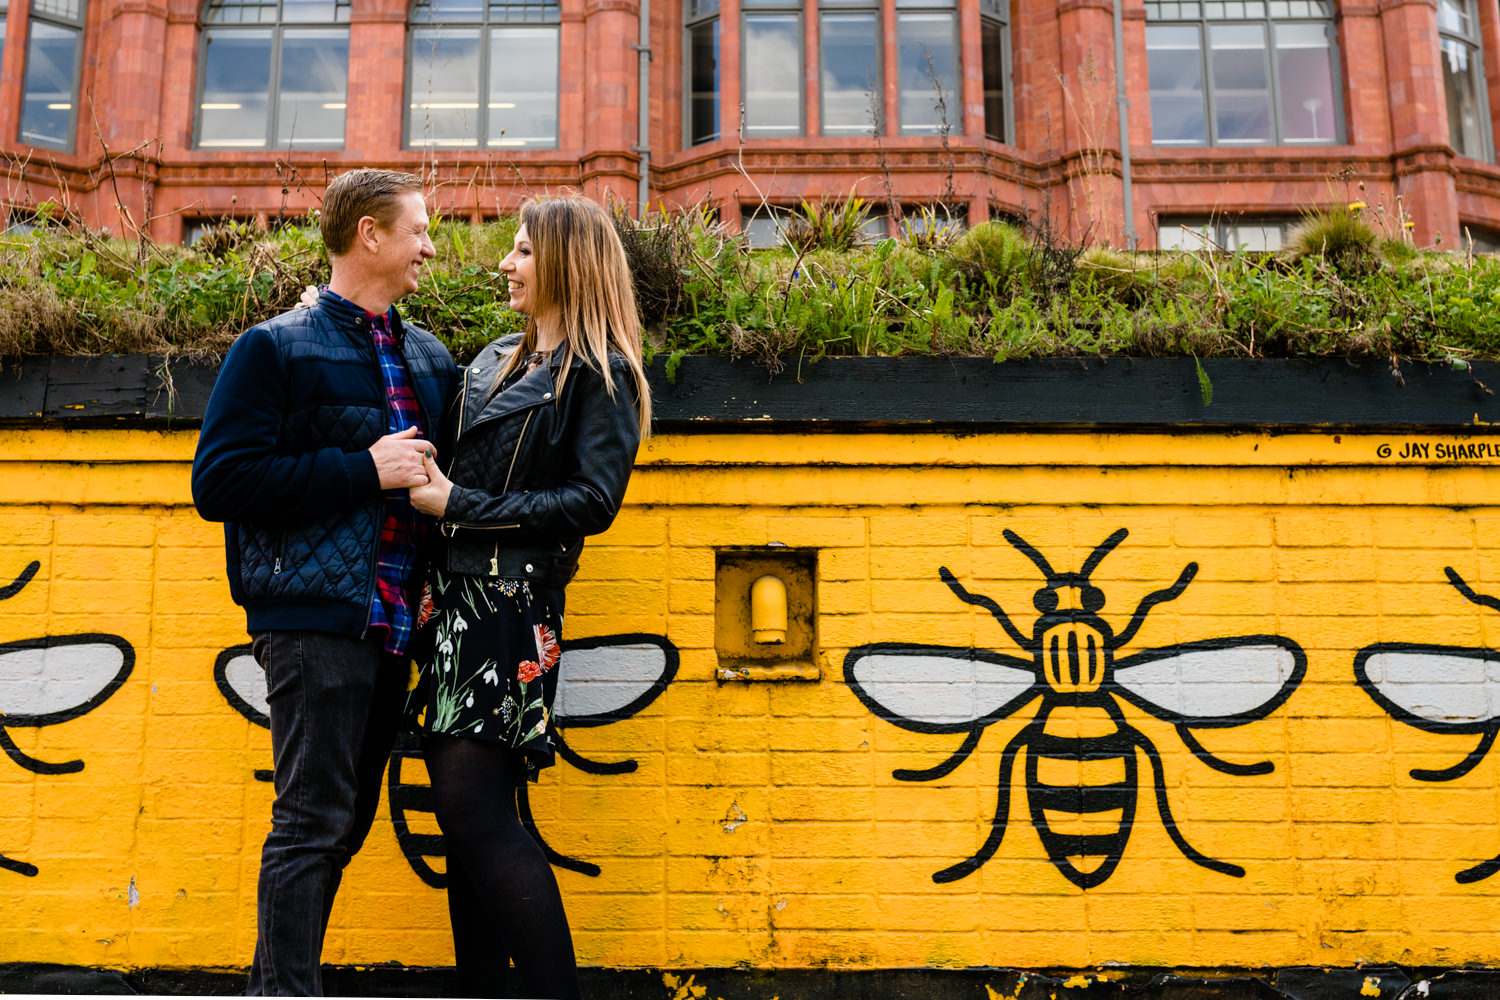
(451, 527)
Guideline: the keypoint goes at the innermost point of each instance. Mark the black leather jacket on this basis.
(534, 470)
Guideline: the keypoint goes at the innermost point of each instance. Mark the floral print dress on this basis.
(487, 663)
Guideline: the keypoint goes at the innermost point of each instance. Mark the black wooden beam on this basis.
(912, 392)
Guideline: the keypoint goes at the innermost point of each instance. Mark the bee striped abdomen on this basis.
(1082, 787)
(412, 813)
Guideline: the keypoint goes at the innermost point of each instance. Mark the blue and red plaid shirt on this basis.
(403, 529)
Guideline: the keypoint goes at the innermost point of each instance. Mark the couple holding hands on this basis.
(400, 533)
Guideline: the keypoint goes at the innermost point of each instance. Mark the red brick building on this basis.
(1239, 112)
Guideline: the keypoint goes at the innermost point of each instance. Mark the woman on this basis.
(545, 430)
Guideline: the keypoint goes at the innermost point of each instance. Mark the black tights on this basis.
(502, 897)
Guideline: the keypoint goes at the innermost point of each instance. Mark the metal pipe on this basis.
(1122, 112)
(643, 125)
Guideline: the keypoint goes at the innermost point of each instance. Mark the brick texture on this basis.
(765, 823)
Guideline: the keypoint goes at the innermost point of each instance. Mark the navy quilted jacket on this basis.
(283, 460)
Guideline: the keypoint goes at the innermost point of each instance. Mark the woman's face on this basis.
(519, 268)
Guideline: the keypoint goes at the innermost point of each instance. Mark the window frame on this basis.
(1474, 42)
(873, 8)
(277, 28)
(956, 105)
(78, 26)
(776, 8)
(997, 13)
(696, 14)
(485, 25)
(1268, 20)
(1218, 227)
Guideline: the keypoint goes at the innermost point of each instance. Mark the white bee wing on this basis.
(56, 678)
(1452, 689)
(612, 677)
(1215, 682)
(243, 684)
(938, 689)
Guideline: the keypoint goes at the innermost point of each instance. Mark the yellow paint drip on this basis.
(1371, 987)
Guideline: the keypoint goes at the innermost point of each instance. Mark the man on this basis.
(317, 425)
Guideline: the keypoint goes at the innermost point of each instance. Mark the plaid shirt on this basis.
(403, 529)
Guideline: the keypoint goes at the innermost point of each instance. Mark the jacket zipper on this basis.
(520, 439)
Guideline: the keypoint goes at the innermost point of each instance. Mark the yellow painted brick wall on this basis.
(763, 825)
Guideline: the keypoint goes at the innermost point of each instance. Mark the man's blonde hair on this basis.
(356, 194)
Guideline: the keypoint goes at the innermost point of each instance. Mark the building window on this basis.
(274, 74)
(767, 226)
(994, 47)
(54, 57)
(849, 42)
(927, 67)
(702, 70)
(4, 5)
(771, 57)
(1199, 233)
(1242, 73)
(483, 75)
(1463, 78)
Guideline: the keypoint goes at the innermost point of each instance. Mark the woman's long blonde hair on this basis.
(583, 281)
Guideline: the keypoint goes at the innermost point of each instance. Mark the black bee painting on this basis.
(602, 680)
(1080, 752)
(53, 679)
(1453, 690)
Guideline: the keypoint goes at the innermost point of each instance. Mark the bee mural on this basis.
(1080, 752)
(53, 679)
(1453, 690)
(602, 680)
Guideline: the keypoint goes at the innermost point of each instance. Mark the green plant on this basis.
(1338, 235)
(827, 224)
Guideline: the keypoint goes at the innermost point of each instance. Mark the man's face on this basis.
(403, 247)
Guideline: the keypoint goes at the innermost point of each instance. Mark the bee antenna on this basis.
(1024, 547)
(19, 582)
(1097, 556)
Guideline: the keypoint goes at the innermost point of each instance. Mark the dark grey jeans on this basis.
(335, 706)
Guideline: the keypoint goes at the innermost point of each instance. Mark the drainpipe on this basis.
(1122, 108)
(643, 126)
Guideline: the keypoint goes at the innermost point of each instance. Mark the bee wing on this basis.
(60, 677)
(611, 677)
(938, 689)
(1442, 689)
(243, 684)
(1215, 682)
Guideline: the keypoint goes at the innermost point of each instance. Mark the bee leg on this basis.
(14, 587)
(31, 763)
(588, 766)
(1164, 809)
(997, 826)
(1469, 593)
(523, 806)
(1154, 598)
(946, 767)
(1479, 872)
(1218, 763)
(19, 867)
(1464, 766)
(980, 601)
